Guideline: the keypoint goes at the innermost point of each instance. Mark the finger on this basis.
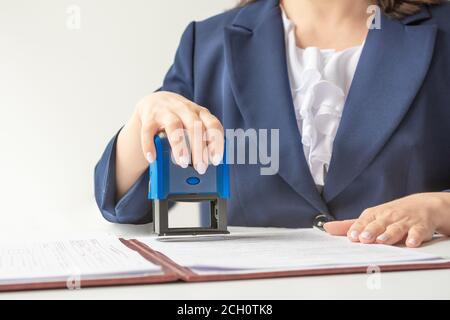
(338, 228)
(373, 230)
(195, 131)
(417, 235)
(214, 136)
(200, 150)
(357, 228)
(148, 131)
(173, 126)
(394, 233)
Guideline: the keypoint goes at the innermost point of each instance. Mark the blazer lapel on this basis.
(391, 70)
(256, 59)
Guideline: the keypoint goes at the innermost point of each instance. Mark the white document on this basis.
(280, 250)
(70, 259)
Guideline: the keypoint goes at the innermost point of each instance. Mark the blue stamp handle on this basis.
(168, 179)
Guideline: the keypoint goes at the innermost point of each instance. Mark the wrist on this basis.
(131, 132)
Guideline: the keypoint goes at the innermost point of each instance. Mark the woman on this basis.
(363, 117)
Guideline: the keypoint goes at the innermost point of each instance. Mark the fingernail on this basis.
(150, 158)
(183, 161)
(412, 242)
(383, 238)
(201, 168)
(354, 234)
(216, 159)
(366, 235)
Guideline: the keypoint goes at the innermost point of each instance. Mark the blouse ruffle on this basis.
(320, 81)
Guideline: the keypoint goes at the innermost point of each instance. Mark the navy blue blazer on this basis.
(393, 139)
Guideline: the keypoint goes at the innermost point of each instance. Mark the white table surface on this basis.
(87, 222)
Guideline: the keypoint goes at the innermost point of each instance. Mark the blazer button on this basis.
(320, 221)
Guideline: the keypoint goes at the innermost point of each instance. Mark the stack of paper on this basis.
(283, 250)
(69, 260)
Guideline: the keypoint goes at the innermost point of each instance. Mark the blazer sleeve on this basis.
(134, 207)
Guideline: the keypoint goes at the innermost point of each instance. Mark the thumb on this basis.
(338, 228)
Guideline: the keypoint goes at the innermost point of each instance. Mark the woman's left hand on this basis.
(412, 220)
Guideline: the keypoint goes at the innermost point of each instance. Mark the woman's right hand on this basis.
(185, 123)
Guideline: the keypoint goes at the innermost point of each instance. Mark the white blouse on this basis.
(320, 81)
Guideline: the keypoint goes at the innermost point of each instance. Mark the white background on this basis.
(64, 93)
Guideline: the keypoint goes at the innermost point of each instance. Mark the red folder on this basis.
(173, 272)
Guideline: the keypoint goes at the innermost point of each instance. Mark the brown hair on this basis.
(394, 8)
